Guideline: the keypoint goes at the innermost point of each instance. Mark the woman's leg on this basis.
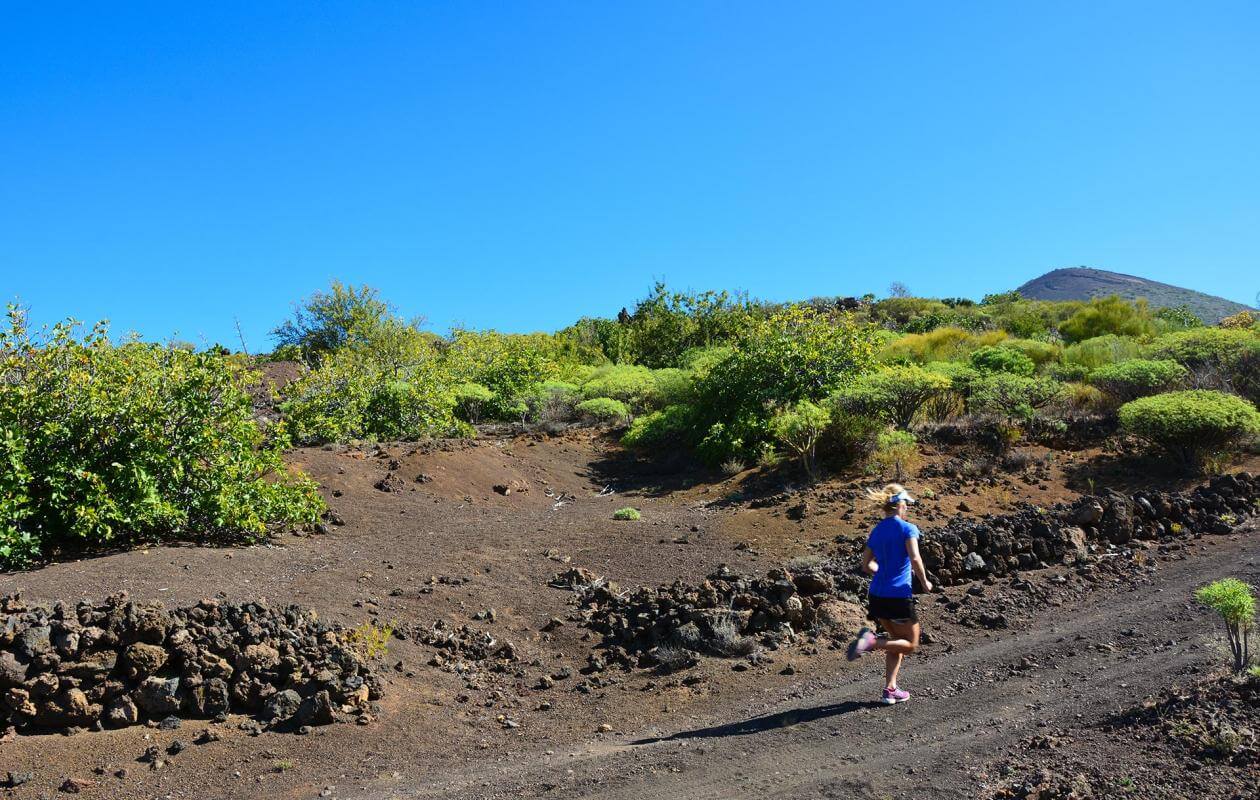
(903, 638)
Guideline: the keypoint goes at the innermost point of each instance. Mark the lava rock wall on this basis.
(123, 662)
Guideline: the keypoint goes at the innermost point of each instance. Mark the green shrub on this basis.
(470, 399)
(102, 443)
(1233, 600)
(795, 354)
(895, 394)
(1081, 397)
(849, 438)
(633, 385)
(673, 386)
(1042, 354)
(1101, 351)
(603, 410)
(666, 324)
(1002, 359)
(1204, 346)
(326, 321)
(351, 395)
(942, 344)
(553, 401)
(1192, 425)
(1108, 315)
(1069, 373)
(894, 454)
(1243, 319)
(1176, 318)
(1218, 358)
(1013, 396)
(628, 514)
(700, 360)
(799, 429)
(509, 365)
(671, 426)
(1138, 377)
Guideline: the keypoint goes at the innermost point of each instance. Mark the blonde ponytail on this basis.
(883, 497)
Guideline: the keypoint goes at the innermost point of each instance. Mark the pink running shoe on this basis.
(864, 642)
(894, 695)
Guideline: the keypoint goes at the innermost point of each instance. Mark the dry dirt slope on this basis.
(826, 738)
(449, 547)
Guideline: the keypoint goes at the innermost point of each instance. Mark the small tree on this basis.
(327, 320)
(1013, 396)
(799, 428)
(1233, 600)
(895, 395)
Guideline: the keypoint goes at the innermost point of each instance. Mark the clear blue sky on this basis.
(516, 165)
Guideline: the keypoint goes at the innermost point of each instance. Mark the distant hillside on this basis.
(1082, 283)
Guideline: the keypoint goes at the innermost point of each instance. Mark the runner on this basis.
(891, 556)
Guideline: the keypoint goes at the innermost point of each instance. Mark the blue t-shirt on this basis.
(888, 542)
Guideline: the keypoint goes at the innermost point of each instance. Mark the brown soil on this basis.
(448, 546)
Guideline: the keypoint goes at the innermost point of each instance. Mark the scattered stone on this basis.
(16, 779)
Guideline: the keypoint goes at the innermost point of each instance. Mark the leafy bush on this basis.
(470, 399)
(631, 384)
(1069, 373)
(799, 428)
(671, 426)
(1002, 359)
(1192, 425)
(1108, 315)
(628, 514)
(509, 365)
(795, 354)
(1041, 353)
(895, 394)
(1218, 358)
(894, 454)
(1013, 396)
(352, 395)
(1243, 319)
(1100, 351)
(1201, 347)
(1138, 377)
(326, 321)
(1233, 600)
(102, 442)
(673, 386)
(666, 324)
(603, 410)
(849, 438)
(553, 401)
(1175, 318)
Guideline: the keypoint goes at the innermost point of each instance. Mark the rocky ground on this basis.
(512, 668)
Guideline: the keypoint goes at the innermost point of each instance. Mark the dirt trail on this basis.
(1085, 662)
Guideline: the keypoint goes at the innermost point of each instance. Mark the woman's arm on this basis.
(868, 561)
(916, 563)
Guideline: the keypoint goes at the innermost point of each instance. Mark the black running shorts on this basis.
(894, 609)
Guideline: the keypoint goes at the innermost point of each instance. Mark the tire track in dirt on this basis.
(1087, 661)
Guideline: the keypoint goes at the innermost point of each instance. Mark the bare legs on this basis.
(903, 639)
